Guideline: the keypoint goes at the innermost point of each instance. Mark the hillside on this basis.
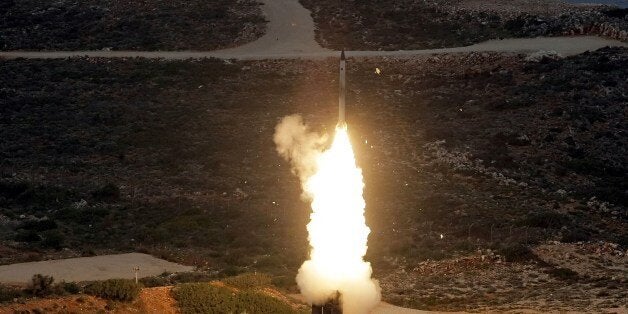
(460, 153)
(128, 25)
(412, 24)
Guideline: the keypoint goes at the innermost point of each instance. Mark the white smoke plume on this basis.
(337, 231)
(298, 145)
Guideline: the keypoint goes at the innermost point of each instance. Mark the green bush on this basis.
(108, 192)
(248, 280)
(192, 277)
(41, 285)
(206, 298)
(517, 253)
(53, 239)
(67, 288)
(8, 294)
(546, 219)
(156, 281)
(563, 273)
(115, 289)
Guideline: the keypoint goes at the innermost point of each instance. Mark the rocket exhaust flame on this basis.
(337, 230)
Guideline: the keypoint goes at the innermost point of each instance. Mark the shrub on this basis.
(206, 298)
(248, 280)
(53, 239)
(8, 294)
(115, 289)
(67, 288)
(27, 236)
(39, 225)
(575, 235)
(546, 219)
(155, 281)
(41, 285)
(517, 253)
(12, 190)
(192, 277)
(108, 192)
(283, 282)
(563, 273)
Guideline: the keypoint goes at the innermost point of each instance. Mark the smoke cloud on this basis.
(298, 145)
(337, 230)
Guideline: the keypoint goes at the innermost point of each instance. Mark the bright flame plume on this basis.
(337, 230)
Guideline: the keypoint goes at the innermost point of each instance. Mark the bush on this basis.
(206, 298)
(248, 280)
(192, 277)
(155, 281)
(41, 285)
(517, 253)
(284, 282)
(575, 235)
(563, 273)
(8, 294)
(546, 219)
(108, 192)
(39, 225)
(115, 289)
(53, 239)
(67, 288)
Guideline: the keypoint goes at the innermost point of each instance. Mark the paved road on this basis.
(290, 35)
(90, 268)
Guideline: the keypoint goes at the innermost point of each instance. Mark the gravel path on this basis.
(90, 268)
(290, 35)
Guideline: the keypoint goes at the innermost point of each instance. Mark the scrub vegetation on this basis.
(411, 24)
(477, 166)
(208, 298)
(128, 25)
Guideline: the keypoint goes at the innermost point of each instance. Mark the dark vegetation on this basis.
(407, 24)
(9, 294)
(410, 24)
(41, 286)
(208, 298)
(248, 281)
(134, 25)
(115, 289)
(176, 158)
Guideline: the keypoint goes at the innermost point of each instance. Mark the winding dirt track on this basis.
(290, 35)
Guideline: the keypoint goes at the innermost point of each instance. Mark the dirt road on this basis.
(290, 35)
(90, 268)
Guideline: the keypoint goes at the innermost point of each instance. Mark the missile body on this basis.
(341, 103)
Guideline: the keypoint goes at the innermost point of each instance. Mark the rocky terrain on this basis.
(524, 156)
(421, 24)
(128, 25)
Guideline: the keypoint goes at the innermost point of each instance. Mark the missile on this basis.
(341, 101)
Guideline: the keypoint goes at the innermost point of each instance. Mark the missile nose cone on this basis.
(342, 55)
